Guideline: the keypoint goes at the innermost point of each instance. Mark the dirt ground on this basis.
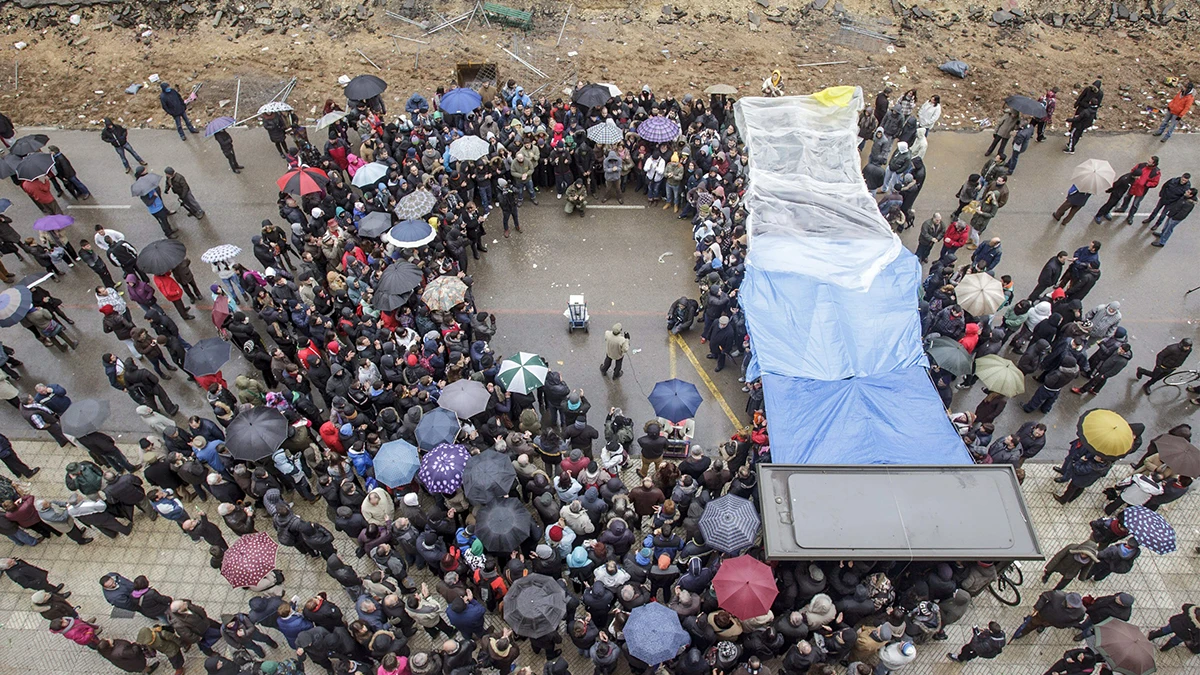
(73, 75)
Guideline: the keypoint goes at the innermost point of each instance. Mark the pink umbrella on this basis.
(745, 587)
(249, 560)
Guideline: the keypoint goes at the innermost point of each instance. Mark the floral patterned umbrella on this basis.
(444, 292)
(249, 559)
(442, 468)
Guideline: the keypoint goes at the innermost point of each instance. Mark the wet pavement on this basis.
(616, 258)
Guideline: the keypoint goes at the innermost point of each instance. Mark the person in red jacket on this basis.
(956, 237)
(1176, 109)
(38, 190)
(1146, 177)
(173, 292)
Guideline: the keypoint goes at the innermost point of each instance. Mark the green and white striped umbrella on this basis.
(523, 372)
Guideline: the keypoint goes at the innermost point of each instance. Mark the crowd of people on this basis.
(353, 364)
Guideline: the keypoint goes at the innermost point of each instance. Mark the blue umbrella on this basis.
(730, 523)
(410, 234)
(396, 463)
(217, 125)
(441, 469)
(653, 634)
(460, 101)
(675, 400)
(15, 303)
(1150, 529)
(436, 427)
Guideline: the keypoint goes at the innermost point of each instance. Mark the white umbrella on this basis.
(1094, 176)
(328, 120)
(469, 148)
(274, 107)
(369, 174)
(612, 89)
(979, 294)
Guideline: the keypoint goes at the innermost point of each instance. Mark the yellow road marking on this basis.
(712, 388)
(671, 353)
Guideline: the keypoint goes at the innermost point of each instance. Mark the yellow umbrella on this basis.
(1000, 375)
(1106, 432)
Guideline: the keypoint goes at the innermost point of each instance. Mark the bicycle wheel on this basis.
(1014, 575)
(1005, 592)
(1179, 379)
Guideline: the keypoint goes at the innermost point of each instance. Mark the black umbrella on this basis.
(1026, 106)
(256, 433)
(9, 166)
(395, 285)
(34, 166)
(534, 605)
(364, 87)
(591, 95)
(206, 356)
(374, 224)
(27, 145)
(503, 525)
(161, 256)
(84, 416)
(487, 477)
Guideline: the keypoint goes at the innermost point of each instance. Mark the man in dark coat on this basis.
(29, 577)
(1051, 272)
(174, 105)
(201, 529)
(1115, 606)
(178, 184)
(985, 644)
(193, 626)
(1171, 357)
(226, 142)
(1171, 191)
(118, 591)
(145, 388)
(1053, 609)
(125, 492)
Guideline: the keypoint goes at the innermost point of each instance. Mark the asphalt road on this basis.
(615, 257)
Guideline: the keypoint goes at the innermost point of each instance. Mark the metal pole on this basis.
(237, 97)
(526, 64)
(451, 23)
(368, 59)
(564, 26)
(822, 63)
(422, 42)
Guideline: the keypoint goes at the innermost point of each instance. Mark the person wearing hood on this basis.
(174, 105)
(1052, 383)
(118, 137)
(898, 165)
(612, 177)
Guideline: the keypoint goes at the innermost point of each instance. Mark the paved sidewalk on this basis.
(179, 567)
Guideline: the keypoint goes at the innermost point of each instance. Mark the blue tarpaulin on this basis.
(830, 298)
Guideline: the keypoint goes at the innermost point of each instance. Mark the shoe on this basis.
(153, 668)
(709, 356)
(519, 227)
(962, 385)
(603, 373)
(1060, 500)
(69, 321)
(34, 472)
(128, 170)
(237, 170)
(665, 205)
(58, 589)
(506, 234)
(143, 162)
(1108, 217)
(1156, 133)
(1157, 244)
(1076, 390)
(746, 389)
(741, 379)
(616, 376)
(560, 196)
(1163, 139)
(189, 317)
(535, 203)
(952, 657)
(1146, 221)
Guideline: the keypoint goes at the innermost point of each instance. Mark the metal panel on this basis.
(822, 512)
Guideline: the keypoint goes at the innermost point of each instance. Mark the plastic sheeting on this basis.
(831, 296)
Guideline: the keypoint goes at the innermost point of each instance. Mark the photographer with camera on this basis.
(616, 346)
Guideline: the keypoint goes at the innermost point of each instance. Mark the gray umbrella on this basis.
(27, 145)
(467, 398)
(374, 224)
(487, 477)
(34, 166)
(534, 605)
(436, 427)
(145, 185)
(84, 416)
(503, 525)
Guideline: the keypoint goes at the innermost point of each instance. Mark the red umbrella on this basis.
(302, 181)
(249, 560)
(745, 587)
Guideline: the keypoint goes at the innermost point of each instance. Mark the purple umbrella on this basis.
(51, 223)
(658, 129)
(442, 468)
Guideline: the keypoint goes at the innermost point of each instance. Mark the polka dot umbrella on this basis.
(442, 468)
(1149, 528)
(249, 559)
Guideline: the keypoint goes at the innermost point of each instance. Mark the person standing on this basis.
(145, 388)
(124, 255)
(1050, 100)
(38, 190)
(1020, 143)
(932, 230)
(1184, 629)
(508, 205)
(174, 105)
(173, 292)
(1145, 177)
(1176, 109)
(1171, 191)
(178, 184)
(1081, 122)
(40, 417)
(1005, 129)
(118, 137)
(1052, 383)
(1165, 362)
(226, 142)
(154, 204)
(1053, 609)
(53, 396)
(1175, 214)
(1116, 192)
(10, 458)
(88, 256)
(616, 346)
(984, 644)
(66, 171)
(54, 513)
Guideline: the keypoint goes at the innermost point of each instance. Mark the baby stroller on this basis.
(577, 314)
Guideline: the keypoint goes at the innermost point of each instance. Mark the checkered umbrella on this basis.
(249, 559)
(606, 133)
(730, 523)
(416, 204)
(658, 129)
(1150, 529)
(522, 372)
(441, 469)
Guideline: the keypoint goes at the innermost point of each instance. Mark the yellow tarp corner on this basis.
(835, 96)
